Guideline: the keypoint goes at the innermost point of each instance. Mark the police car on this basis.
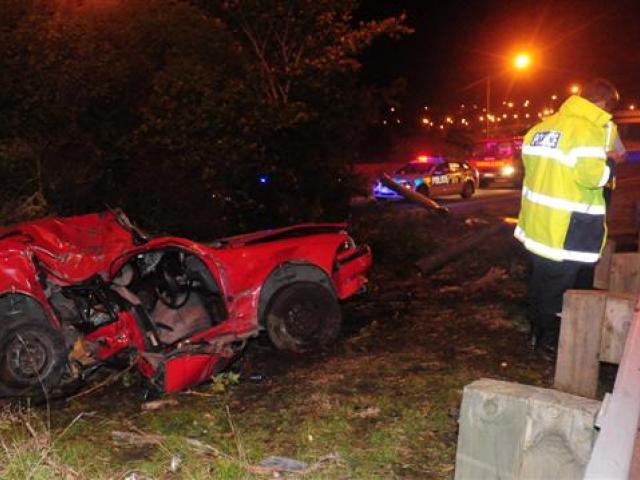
(433, 177)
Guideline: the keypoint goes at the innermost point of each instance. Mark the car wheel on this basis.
(32, 358)
(467, 190)
(423, 190)
(303, 316)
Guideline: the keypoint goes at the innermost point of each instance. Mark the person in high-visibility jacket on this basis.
(562, 216)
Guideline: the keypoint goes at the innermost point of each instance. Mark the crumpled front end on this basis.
(349, 273)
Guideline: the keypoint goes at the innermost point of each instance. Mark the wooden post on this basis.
(518, 432)
(617, 318)
(578, 365)
(625, 273)
(613, 451)
(603, 267)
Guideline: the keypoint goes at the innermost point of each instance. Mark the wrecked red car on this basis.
(79, 292)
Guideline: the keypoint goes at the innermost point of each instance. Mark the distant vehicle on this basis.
(433, 177)
(628, 122)
(499, 160)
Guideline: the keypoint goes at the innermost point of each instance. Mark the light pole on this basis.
(522, 61)
(486, 129)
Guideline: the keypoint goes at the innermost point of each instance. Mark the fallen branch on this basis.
(412, 196)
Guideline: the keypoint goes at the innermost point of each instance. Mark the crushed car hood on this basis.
(72, 248)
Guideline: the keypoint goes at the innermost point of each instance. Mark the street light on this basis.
(522, 61)
(574, 89)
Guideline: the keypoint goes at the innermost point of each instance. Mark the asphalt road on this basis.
(491, 202)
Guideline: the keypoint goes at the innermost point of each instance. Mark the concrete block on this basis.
(513, 431)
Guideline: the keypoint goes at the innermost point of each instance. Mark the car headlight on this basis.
(508, 170)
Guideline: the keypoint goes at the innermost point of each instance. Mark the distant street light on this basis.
(522, 61)
(574, 89)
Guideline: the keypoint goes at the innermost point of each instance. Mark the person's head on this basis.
(602, 93)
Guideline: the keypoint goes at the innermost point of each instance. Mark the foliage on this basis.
(221, 382)
(176, 110)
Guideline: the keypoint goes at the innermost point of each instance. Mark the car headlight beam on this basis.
(508, 170)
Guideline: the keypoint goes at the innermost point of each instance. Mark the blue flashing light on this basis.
(263, 179)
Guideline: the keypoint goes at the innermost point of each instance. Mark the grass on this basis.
(377, 434)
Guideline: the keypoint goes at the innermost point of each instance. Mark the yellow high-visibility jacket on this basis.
(562, 215)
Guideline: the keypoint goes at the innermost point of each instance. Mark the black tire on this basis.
(423, 190)
(32, 358)
(303, 316)
(468, 190)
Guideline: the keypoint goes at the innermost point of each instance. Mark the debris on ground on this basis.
(136, 438)
(277, 466)
(159, 404)
(280, 464)
(369, 412)
(474, 221)
(491, 277)
(176, 463)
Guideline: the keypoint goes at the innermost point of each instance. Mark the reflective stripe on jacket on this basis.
(562, 215)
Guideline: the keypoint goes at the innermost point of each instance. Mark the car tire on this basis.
(468, 190)
(303, 316)
(32, 358)
(423, 190)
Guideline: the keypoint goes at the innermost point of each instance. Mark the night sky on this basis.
(457, 43)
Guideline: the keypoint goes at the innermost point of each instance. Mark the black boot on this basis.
(546, 344)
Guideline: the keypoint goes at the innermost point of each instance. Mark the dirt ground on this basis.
(381, 403)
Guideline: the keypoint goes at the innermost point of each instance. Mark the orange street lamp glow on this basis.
(522, 61)
(575, 89)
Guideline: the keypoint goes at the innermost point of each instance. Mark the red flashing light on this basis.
(423, 158)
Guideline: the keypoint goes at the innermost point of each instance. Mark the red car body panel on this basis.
(67, 252)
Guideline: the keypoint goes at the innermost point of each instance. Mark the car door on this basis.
(440, 181)
(456, 175)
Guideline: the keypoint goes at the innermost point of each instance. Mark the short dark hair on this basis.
(601, 90)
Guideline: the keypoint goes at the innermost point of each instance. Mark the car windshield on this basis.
(493, 149)
(416, 168)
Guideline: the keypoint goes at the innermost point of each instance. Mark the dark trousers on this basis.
(547, 284)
